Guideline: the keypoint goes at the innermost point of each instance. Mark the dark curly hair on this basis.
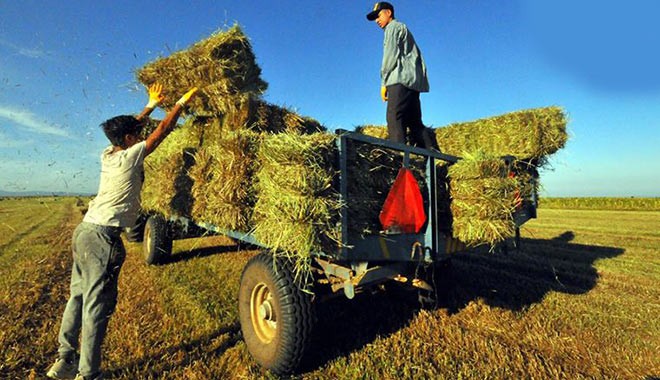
(119, 126)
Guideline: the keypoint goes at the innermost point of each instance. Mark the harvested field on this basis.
(579, 301)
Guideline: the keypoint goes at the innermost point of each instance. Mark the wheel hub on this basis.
(147, 237)
(262, 312)
(266, 311)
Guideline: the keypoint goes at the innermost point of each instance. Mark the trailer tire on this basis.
(157, 242)
(275, 314)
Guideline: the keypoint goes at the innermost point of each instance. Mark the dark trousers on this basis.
(404, 112)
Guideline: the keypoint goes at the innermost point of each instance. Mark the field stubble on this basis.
(580, 300)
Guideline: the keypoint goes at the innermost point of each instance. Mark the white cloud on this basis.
(29, 121)
(26, 52)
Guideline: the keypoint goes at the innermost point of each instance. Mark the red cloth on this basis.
(404, 207)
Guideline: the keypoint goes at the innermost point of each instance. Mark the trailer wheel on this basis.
(275, 314)
(157, 244)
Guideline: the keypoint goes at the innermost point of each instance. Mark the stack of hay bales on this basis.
(371, 172)
(222, 188)
(297, 209)
(483, 196)
(242, 164)
(483, 199)
(531, 134)
(205, 169)
(166, 185)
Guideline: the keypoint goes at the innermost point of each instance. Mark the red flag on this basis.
(404, 207)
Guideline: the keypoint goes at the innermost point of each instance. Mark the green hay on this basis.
(246, 165)
(483, 199)
(222, 66)
(166, 188)
(223, 164)
(262, 116)
(475, 232)
(297, 209)
(478, 165)
(373, 131)
(527, 134)
(222, 181)
(371, 174)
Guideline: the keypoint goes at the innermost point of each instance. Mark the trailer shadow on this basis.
(178, 356)
(513, 281)
(520, 278)
(198, 253)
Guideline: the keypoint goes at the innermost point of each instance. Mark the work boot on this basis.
(63, 369)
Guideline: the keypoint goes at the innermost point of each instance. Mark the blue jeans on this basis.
(98, 254)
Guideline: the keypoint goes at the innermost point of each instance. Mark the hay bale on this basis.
(373, 131)
(475, 232)
(483, 199)
(177, 185)
(222, 175)
(297, 207)
(261, 116)
(185, 173)
(371, 172)
(222, 66)
(166, 188)
(527, 134)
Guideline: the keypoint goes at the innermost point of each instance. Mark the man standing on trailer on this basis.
(403, 77)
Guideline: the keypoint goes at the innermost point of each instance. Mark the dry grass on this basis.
(483, 199)
(297, 208)
(167, 185)
(580, 301)
(222, 176)
(530, 134)
(222, 66)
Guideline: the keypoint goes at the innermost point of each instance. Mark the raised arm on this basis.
(168, 123)
(155, 97)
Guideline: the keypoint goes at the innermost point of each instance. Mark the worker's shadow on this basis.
(512, 280)
(177, 356)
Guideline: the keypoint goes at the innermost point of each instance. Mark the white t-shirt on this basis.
(118, 200)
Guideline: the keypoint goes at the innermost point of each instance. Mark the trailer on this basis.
(276, 314)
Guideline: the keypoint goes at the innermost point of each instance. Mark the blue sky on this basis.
(66, 66)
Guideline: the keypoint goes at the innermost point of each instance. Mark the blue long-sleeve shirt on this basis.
(402, 59)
